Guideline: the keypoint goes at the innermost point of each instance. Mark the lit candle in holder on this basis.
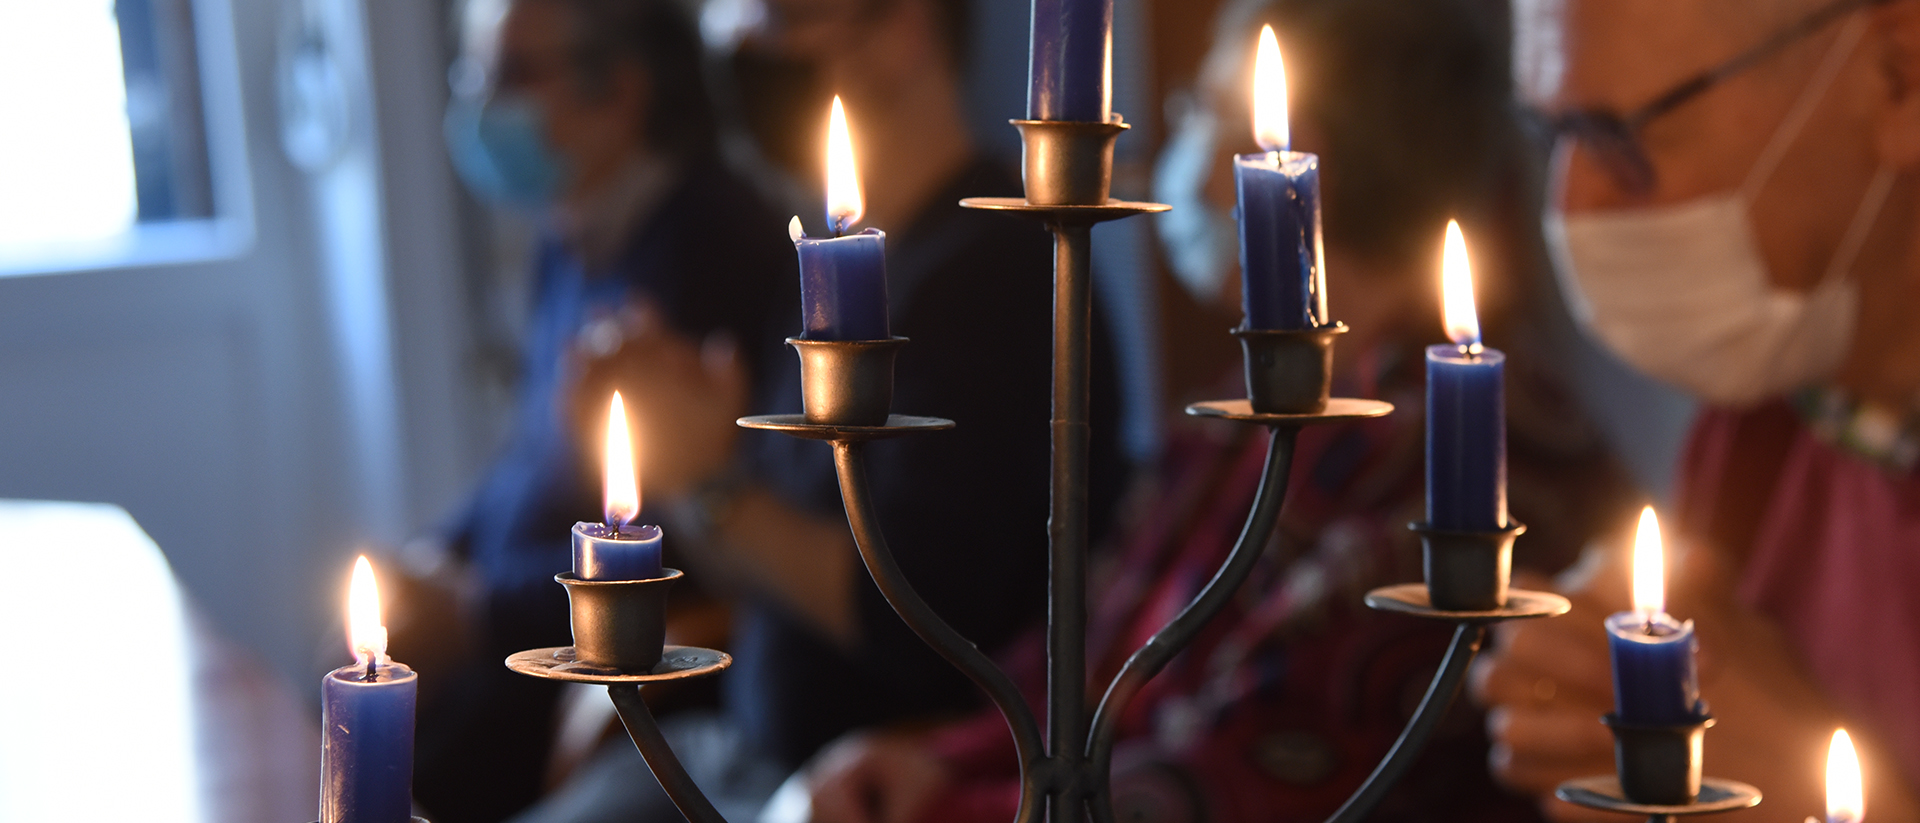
(843, 278)
(1654, 679)
(1466, 410)
(1846, 796)
(612, 549)
(366, 752)
(1070, 61)
(1282, 283)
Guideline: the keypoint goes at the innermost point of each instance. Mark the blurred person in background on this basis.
(593, 118)
(1735, 209)
(817, 651)
(1287, 701)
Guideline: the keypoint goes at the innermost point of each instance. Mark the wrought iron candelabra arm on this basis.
(638, 719)
(1161, 648)
(1467, 638)
(849, 461)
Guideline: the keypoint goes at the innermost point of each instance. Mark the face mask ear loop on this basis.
(1803, 108)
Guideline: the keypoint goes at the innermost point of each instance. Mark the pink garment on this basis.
(1831, 548)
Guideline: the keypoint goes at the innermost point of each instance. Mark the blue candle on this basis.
(1654, 679)
(1466, 412)
(843, 278)
(1070, 61)
(612, 549)
(1282, 283)
(366, 752)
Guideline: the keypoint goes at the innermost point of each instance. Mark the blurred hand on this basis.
(682, 396)
(884, 777)
(1547, 683)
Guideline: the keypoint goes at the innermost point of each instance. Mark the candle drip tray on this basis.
(676, 663)
(1411, 598)
(796, 425)
(1084, 214)
(1603, 792)
(1338, 409)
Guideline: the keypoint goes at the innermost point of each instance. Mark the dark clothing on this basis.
(712, 257)
(964, 511)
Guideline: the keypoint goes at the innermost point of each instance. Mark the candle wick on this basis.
(372, 672)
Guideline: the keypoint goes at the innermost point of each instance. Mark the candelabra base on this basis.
(1411, 598)
(1336, 410)
(1603, 792)
(676, 663)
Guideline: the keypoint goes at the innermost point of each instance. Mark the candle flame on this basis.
(1270, 94)
(366, 635)
(844, 205)
(622, 489)
(1649, 567)
(1456, 292)
(1846, 801)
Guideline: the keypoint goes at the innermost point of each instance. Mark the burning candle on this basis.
(366, 752)
(843, 278)
(1070, 61)
(1466, 410)
(1654, 681)
(1282, 283)
(611, 549)
(1846, 797)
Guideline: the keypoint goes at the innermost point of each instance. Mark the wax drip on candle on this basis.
(1456, 294)
(844, 204)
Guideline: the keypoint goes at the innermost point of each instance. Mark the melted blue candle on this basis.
(602, 552)
(1282, 283)
(1466, 439)
(1654, 679)
(843, 286)
(1070, 61)
(366, 751)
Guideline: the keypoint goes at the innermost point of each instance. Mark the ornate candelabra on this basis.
(847, 390)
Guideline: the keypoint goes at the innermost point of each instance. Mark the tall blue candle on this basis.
(1466, 412)
(612, 549)
(366, 751)
(1070, 61)
(1282, 283)
(843, 278)
(1654, 679)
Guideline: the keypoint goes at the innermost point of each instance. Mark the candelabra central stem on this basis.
(1067, 520)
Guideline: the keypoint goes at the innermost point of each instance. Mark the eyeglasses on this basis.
(1613, 137)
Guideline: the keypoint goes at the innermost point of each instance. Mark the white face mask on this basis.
(1201, 241)
(1682, 293)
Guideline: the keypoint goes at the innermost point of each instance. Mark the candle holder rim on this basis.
(1412, 599)
(1603, 792)
(797, 425)
(568, 578)
(681, 663)
(1333, 328)
(1514, 528)
(1115, 125)
(893, 341)
(1065, 213)
(1337, 409)
(1700, 721)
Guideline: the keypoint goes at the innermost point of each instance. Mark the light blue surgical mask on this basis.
(499, 147)
(1201, 240)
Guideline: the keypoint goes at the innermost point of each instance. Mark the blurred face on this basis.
(1622, 54)
(596, 125)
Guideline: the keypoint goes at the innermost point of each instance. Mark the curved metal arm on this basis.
(854, 492)
(673, 777)
(1180, 631)
(1440, 695)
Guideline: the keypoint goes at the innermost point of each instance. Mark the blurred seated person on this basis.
(1287, 701)
(817, 651)
(1751, 242)
(593, 118)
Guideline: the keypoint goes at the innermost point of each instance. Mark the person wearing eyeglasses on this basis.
(1733, 210)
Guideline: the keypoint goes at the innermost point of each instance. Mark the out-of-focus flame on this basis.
(1846, 799)
(1649, 567)
(366, 635)
(1456, 292)
(1269, 94)
(844, 205)
(622, 485)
